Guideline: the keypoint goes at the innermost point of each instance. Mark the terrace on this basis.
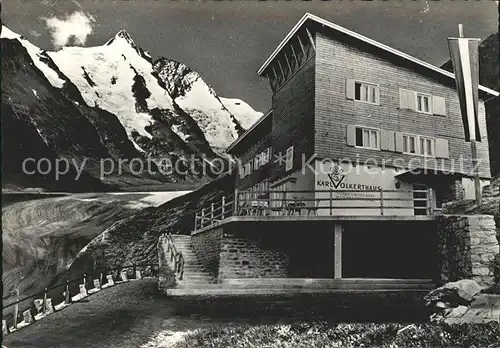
(319, 205)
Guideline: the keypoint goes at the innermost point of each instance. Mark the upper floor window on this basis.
(265, 156)
(409, 144)
(366, 92)
(419, 145)
(427, 146)
(362, 91)
(421, 102)
(366, 137)
(424, 103)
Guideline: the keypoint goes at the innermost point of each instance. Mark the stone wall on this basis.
(251, 256)
(467, 245)
(207, 246)
(166, 276)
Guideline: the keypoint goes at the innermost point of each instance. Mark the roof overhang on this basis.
(248, 131)
(428, 175)
(338, 28)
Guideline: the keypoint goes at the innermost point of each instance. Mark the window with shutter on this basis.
(366, 92)
(399, 142)
(442, 148)
(351, 135)
(439, 105)
(407, 99)
(289, 159)
(350, 89)
(424, 103)
(367, 138)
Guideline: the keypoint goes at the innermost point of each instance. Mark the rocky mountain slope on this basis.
(109, 103)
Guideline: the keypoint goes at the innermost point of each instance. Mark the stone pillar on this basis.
(110, 282)
(467, 246)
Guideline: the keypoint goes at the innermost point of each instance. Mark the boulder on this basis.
(485, 308)
(453, 294)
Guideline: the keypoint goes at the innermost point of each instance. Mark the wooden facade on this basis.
(338, 95)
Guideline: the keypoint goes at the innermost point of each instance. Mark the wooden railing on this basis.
(319, 202)
(83, 279)
(216, 212)
(175, 256)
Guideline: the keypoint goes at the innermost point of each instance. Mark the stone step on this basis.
(364, 287)
(187, 277)
(231, 292)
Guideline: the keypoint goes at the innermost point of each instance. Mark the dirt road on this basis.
(41, 237)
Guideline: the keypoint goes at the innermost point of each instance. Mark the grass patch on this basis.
(322, 334)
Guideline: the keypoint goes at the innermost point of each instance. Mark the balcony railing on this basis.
(318, 202)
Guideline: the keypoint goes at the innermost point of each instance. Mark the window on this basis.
(427, 146)
(419, 145)
(264, 159)
(257, 161)
(366, 92)
(424, 103)
(289, 159)
(410, 144)
(247, 169)
(368, 138)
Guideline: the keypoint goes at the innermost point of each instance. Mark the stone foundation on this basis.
(249, 256)
(207, 246)
(467, 246)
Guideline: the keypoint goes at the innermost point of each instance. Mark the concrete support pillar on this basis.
(337, 251)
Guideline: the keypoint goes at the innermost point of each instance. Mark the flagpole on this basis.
(473, 147)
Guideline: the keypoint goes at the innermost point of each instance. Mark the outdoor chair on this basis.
(314, 208)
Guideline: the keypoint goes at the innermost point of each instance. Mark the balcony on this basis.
(319, 205)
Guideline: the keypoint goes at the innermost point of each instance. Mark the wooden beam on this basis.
(302, 46)
(295, 56)
(281, 69)
(272, 82)
(337, 251)
(311, 39)
(288, 62)
(274, 72)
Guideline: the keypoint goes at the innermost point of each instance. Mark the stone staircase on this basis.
(195, 274)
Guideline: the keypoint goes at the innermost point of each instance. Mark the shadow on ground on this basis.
(129, 314)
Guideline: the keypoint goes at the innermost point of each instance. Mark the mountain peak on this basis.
(125, 35)
(122, 34)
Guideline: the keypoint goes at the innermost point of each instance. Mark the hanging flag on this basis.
(465, 58)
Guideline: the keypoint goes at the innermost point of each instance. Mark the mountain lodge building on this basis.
(346, 175)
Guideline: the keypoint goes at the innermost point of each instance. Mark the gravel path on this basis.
(133, 314)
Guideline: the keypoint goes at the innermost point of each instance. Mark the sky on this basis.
(227, 41)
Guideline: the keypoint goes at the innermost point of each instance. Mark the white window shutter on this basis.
(289, 159)
(391, 139)
(442, 148)
(439, 105)
(351, 135)
(384, 139)
(399, 142)
(349, 89)
(407, 99)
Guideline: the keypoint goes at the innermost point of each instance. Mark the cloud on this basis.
(73, 28)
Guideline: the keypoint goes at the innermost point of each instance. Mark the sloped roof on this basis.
(310, 17)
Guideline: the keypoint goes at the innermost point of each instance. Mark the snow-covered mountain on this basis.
(157, 110)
